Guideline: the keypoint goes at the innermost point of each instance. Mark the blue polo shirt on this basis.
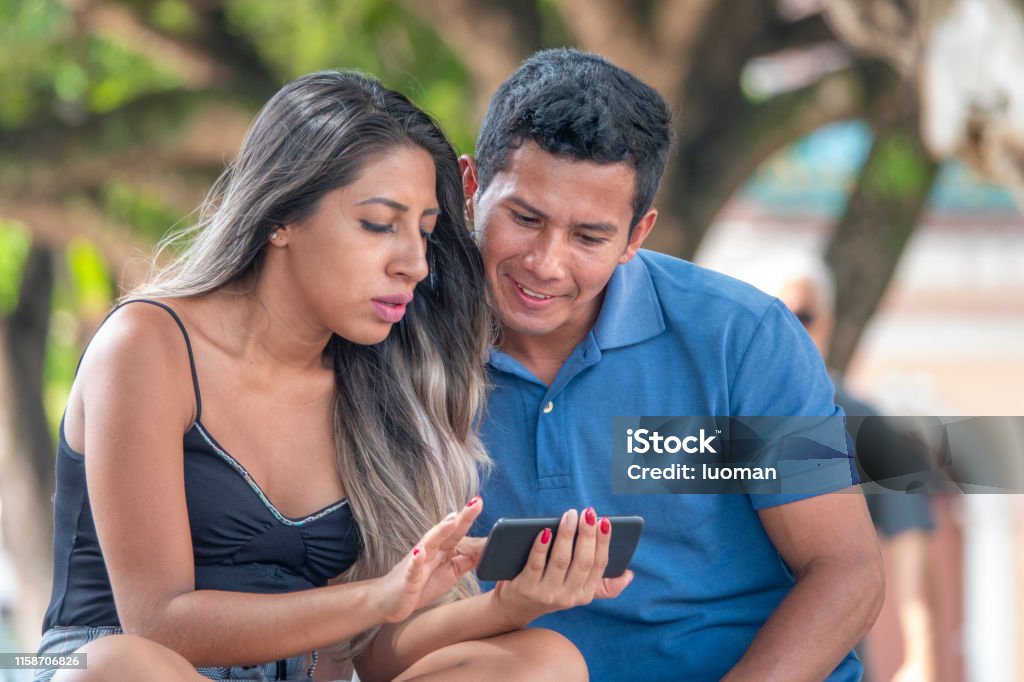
(671, 339)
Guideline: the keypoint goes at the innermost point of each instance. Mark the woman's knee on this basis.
(535, 655)
(549, 654)
(128, 657)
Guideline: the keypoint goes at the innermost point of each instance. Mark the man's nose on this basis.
(546, 256)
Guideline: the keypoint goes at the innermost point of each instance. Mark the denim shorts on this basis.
(65, 639)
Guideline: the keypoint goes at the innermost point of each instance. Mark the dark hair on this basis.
(578, 104)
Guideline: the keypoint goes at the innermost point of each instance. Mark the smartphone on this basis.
(510, 540)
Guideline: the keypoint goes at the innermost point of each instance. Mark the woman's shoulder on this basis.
(149, 328)
(141, 348)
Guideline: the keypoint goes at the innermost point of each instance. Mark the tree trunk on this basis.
(26, 448)
(880, 216)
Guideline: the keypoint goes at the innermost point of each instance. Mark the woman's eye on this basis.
(428, 236)
(377, 227)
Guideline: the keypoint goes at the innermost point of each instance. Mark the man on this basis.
(761, 587)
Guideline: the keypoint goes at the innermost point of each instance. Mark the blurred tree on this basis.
(117, 115)
(745, 78)
(958, 63)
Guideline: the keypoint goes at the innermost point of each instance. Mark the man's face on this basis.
(552, 230)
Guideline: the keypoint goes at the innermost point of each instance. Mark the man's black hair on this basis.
(577, 104)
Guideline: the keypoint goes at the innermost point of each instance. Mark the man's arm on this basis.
(829, 543)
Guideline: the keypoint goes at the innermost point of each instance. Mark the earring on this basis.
(273, 235)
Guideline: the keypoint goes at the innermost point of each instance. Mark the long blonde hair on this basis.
(405, 408)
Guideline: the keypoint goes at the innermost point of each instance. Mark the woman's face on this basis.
(358, 257)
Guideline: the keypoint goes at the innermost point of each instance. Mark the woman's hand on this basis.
(431, 568)
(568, 577)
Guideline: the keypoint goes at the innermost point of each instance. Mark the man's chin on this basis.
(527, 326)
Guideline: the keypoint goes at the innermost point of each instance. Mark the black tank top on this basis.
(240, 541)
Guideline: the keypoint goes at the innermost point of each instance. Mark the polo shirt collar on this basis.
(631, 312)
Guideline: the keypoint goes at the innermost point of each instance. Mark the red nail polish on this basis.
(472, 502)
(545, 536)
(606, 525)
(416, 551)
(590, 516)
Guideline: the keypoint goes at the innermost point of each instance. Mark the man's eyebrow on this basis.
(603, 227)
(395, 205)
(529, 207)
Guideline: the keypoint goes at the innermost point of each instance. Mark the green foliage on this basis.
(62, 351)
(897, 169)
(29, 34)
(142, 209)
(84, 289)
(14, 244)
(119, 75)
(173, 16)
(375, 36)
(91, 284)
(51, 70)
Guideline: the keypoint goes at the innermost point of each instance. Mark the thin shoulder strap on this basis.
(184, 333)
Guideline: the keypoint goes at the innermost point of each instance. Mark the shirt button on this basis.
(550, 406)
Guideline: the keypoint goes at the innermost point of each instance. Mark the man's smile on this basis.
(532, 293)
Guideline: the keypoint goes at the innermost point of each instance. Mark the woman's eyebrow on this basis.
(395, 205)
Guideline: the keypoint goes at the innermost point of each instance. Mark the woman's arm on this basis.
(136, 401)
(568, 578)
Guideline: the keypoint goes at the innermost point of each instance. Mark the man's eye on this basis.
(590, 240)
(377, 227)
(524, 219)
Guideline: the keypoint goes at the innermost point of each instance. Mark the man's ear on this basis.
(640, 232)
(467, 164)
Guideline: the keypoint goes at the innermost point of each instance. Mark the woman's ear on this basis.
(279, 235)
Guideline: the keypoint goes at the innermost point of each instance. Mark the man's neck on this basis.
(542, 355)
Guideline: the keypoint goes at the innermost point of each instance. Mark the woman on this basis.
(317, 441)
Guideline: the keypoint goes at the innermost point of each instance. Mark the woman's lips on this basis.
(391, 309)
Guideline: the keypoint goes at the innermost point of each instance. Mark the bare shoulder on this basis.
(138, 357)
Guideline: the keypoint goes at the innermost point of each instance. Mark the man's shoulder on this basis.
(680, 284)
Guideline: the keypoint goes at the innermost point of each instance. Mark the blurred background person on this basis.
(903, 518)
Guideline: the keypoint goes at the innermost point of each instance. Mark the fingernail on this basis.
(472, 502)
(590, 516)
(416, 551)
(606, 525)
(545, 536)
